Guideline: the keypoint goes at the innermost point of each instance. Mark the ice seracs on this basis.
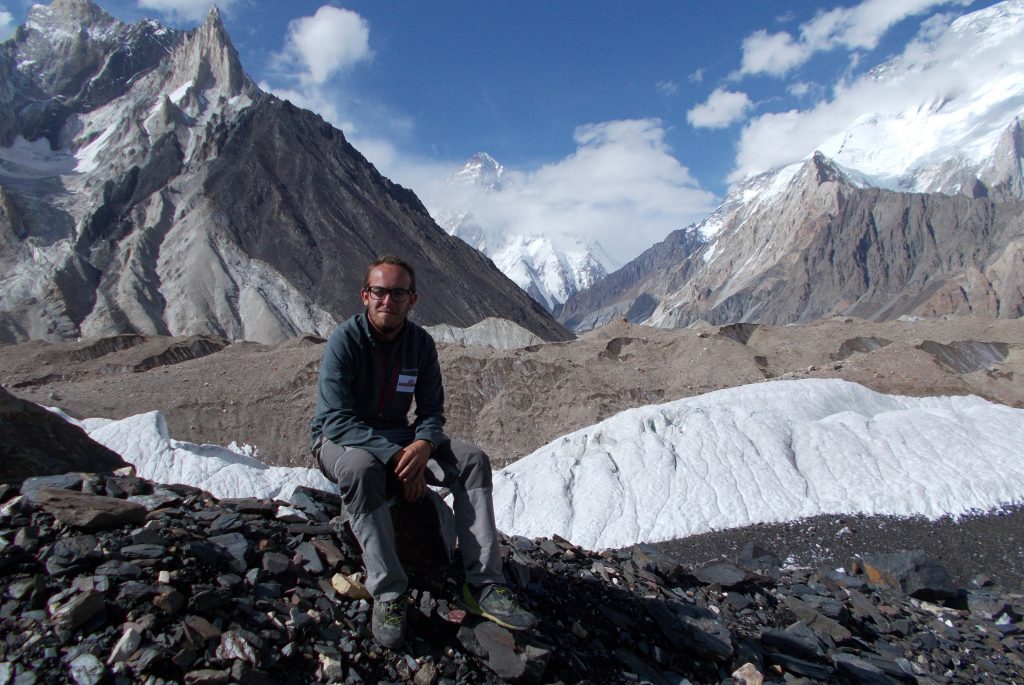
(762, 453)
(767, 452)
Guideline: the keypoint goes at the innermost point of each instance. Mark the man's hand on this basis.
(410, 465)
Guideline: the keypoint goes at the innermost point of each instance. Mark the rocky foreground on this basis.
(114, 579)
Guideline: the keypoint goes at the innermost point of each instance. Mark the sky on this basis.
(616, 124)
(765, 452)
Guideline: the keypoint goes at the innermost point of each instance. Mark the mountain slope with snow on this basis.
(914, 209)
(148, 186)
(967, 138)
(548, 273)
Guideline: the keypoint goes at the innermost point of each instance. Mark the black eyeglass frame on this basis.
(378, 292)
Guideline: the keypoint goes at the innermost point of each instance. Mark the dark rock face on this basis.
(35, 442)
(322, 231)
(630, 292)
(206, 591)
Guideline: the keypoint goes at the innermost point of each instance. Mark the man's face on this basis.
(386, 315)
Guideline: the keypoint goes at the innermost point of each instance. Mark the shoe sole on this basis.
(474, 608)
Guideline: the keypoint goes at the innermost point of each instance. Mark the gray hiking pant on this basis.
(366, 493)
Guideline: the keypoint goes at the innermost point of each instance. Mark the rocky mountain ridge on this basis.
(912, 210)
(809, 243)
(148, 186)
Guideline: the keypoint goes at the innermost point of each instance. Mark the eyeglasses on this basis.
(397, 294)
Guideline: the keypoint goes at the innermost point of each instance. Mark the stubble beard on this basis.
(379, 322)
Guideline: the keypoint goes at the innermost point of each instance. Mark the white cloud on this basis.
(771, 53)
(721, 109)
(853, 28)
(667, 88)
(321, 46)
(799, 89)
(7, 24)
(317, 51)
(622, 187)
(930, 71)
(185, 10)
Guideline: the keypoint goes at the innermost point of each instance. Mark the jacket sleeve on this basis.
(336, 406)
(429, 396)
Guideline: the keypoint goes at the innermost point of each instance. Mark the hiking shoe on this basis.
(499, 604)
(388, 622)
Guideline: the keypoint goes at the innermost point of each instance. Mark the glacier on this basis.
(766, 452)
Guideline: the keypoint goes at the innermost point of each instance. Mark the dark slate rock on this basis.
(827, 606)
(755, 558)
(226, 523)
(649, 558)
(703, 637)
(819, 623)
(860, 671)
(793, 643)
(614, 616)
(89, 511)
(206, 552)
(37, 442)
(143, 551)
(78, 610)
(330, 552)
(63, 481)
(127, 486)
(802, 667)
(251, 505)
(72, 553)
(724, 574)
(911, 572)
(234, 544)
(119, 568)
(170, 601)
(275, 563)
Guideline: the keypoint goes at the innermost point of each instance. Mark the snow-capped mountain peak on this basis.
(945, 143)
(550, 268)
(481, 171)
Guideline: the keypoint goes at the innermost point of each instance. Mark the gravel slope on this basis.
(990, 544)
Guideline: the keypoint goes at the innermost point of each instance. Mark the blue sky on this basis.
(619, 124)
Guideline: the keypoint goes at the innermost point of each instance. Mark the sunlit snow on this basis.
(89, 154)
(762, 453)
(143, 441)
(765, 452)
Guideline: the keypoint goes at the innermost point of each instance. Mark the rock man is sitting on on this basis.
(373, 366)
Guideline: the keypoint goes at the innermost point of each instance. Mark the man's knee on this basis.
(474, 465)
(361, 477)
(356, 465)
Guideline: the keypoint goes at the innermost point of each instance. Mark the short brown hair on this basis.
(396, 261)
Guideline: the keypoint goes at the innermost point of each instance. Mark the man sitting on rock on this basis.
(373, 366)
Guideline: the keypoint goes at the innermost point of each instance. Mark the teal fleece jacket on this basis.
(366, 388)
